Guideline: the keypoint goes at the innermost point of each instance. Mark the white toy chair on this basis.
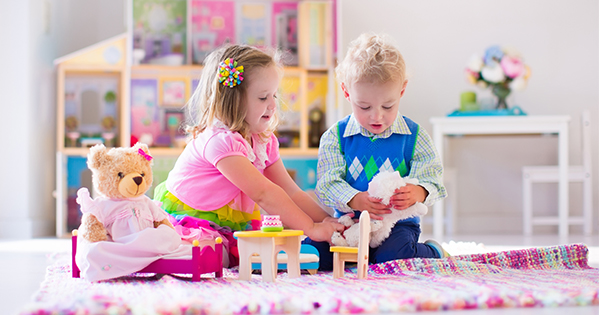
(360, 254)
(549, 174)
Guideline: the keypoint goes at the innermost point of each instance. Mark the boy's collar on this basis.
(399, 126)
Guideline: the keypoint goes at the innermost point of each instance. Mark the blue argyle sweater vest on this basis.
(366, 157)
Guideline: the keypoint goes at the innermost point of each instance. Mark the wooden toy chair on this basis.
(360, 254)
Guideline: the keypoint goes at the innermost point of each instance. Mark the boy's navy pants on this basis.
(401, 244)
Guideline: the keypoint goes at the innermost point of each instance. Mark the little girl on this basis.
(231, 165)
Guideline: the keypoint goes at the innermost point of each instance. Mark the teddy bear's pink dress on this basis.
(133, 242)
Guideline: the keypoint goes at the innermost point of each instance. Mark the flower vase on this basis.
(501, 92)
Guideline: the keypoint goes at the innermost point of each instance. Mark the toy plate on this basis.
(271, 228)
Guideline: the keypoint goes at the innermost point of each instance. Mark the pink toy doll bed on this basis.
(204, 260)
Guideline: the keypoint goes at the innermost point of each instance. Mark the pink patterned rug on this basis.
(537, 277)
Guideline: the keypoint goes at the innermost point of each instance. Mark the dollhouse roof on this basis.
(110, 51)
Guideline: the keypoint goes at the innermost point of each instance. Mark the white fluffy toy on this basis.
(382, 186)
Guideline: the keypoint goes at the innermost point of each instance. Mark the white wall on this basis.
(26, 123)
(33, 34)
(558, 40)
(79, 24)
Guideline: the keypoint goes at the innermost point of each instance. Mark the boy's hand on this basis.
(362, 201)
(407, 196)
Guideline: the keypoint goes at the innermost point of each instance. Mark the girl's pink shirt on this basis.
(195, 179)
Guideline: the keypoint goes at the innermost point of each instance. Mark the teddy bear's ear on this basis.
(97, 156)
(145, 152)
(142, 146)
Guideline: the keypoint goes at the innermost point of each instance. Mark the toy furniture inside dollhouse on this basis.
(133, 87)
(157, 114)
(91, 110)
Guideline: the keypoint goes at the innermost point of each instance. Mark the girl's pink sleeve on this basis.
(272, 151)
(223, 145)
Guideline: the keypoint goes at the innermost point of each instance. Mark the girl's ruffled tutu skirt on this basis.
(200, 224)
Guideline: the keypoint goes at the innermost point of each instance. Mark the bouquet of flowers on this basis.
(500, 69)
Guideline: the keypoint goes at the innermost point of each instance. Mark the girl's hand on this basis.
(362, 201)
(322, 232)
(332, 219)
(407, 196)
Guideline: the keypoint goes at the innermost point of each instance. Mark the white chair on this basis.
(360, 254)
(549, 174)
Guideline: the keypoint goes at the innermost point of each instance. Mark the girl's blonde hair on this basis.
(213, 101)
(374, 58)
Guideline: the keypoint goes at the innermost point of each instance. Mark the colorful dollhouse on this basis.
(133, 87)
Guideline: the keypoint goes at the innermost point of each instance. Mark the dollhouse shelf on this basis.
(196, 68)
(92, 68)
(310, 152)
(76, 151)
(164, 68)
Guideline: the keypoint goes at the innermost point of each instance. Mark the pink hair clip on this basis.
(230, 74)
(145, 155)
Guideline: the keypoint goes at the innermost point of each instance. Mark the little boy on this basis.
(375, 138)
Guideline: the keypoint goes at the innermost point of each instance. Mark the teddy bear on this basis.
(122, 230)
(382, 186)
(121, 176)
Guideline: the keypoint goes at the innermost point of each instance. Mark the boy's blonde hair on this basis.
(214, 101)
(371, 57)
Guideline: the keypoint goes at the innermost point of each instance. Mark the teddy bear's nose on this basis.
(138, 180)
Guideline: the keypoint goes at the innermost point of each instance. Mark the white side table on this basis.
(498, 125)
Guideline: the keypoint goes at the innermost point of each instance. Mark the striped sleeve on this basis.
(332, 189)
(427, 168)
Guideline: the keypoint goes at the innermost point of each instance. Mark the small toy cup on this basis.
(271, 223)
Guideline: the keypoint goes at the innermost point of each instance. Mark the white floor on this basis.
(23, 264)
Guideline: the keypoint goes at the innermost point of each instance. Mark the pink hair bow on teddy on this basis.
(145, 155)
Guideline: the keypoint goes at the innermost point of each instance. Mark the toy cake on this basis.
(271, 223)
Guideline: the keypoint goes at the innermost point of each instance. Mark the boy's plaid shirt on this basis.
(335, 192)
